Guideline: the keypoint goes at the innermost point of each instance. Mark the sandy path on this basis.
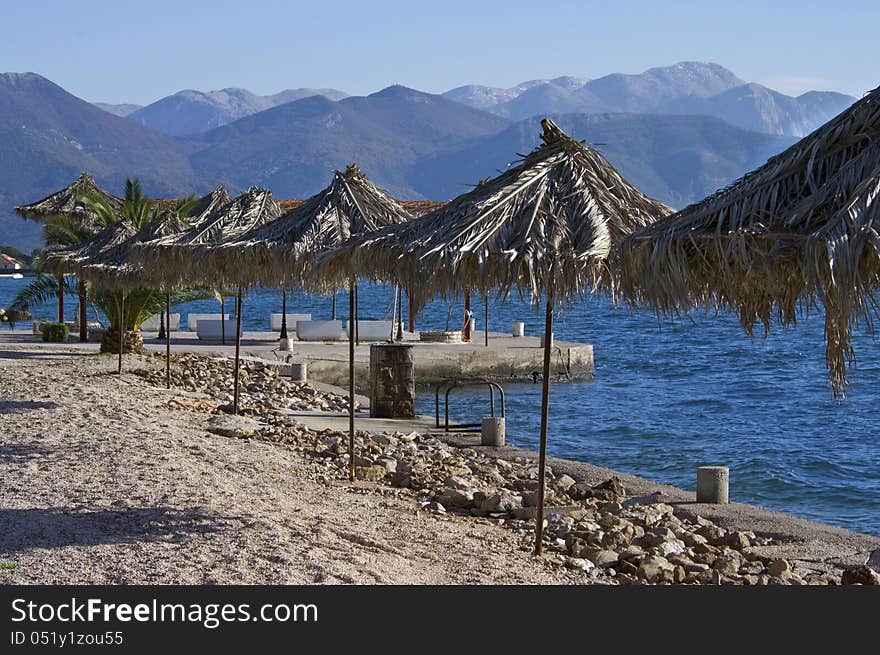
(101, 483)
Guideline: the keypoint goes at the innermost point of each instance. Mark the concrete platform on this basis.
(506, 358)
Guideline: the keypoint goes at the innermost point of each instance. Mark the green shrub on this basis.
(55, 332)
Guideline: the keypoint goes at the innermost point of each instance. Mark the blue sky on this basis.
(125, 51)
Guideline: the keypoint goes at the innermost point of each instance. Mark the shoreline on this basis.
(812, 553)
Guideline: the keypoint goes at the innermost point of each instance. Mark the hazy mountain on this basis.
(118, 110)
(676, 159)
(192, 112)
(50, 136)
(294, 147)
(483, 97)
(684, 88)
(755, 107)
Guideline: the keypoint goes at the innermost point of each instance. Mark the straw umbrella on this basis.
(281, 252)
(70, 202)
(116, 266)
(548, 227)
(798, 232)
(171, 259)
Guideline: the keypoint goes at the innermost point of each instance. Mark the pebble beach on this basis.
(114, 479)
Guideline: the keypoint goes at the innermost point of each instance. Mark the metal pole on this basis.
(545, 410)
(357, 316)
(393, 312)
(83, 321)
(409, 312)
(222, 319)
(237, 347)
(333, 313)
(168, 340)
(61, 299)
(466, 332)
(121, 332)
(351, 339)
(486, 319)
(400, 314)
(284, 313)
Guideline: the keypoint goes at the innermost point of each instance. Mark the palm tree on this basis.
(124, 310)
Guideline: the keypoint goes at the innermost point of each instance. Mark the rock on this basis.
(671, 547)
(692, 539)
(455, 482)
(372, 473)
(656, 569)
(501, 502)
(564, 482)
(580, 491)
(632, 552)
(229, 425)
(695, 567)
(678, 574)
(873, 561)
(863, 575)
(457, 498)
(727, 563)
(435, 507)
(778, 568)
(603, 558)
(389, 463)
(637, 501)
(614, 485)
(616, 539)
(738, 540)
(584, 565)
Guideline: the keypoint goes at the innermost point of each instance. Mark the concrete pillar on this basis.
(392, 381)
(493, 431)
(299, 372)
(712, 484)
(519, 328)
(285, 344)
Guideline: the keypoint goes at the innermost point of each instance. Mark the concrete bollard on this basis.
(519, 328)
(285, 344)
(713, 484)
(492, 432)
(544, 336)
(299, 372)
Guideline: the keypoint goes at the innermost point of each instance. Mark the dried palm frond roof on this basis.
(548, 224)
(117, 266)
(414, 208)
(279, 252)
(72, 259)
(799, 231)
(69, 201)
(168, 260)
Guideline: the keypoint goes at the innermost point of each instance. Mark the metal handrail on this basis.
(449, 386)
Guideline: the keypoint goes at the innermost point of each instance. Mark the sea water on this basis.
(667, 397)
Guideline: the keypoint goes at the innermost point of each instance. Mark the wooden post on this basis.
(83, 320)
(351, 340)
(61, 299)
(222, 318)
(545, 410)
(121, 332)
(486, 319)
(409, 312)
(167, 340)
(235, 394)
(284, 313)
(466, 328)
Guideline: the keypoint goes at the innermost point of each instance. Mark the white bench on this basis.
(371, 330)
(207, 328)
(152, 323)
(319, 331)
(192, 320)
(275, 320)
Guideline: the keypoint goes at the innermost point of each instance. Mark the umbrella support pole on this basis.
(61, 299)
(222, 319)
(409, 312)
(284, 313)
(167, 340)
(333, 308)
(235, 393)
(357, 316)
(486, 319)
(121, 332)
(545, 410)
(351, 343)
(83, 320)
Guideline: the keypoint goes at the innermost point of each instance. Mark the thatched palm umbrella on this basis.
(116, 266)
(281, 252)
(800, 231)
(548, 226)
(70, 202)
(171, 261)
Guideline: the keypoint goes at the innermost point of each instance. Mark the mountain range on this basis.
(678, 133)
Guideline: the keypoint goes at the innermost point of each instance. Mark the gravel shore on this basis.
(113, 479)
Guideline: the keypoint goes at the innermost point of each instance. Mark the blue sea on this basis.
(671, 396)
